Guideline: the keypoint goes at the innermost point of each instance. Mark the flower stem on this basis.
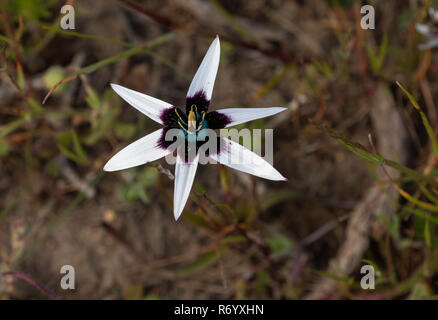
(32, 282)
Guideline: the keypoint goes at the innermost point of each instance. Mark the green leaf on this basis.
(419, 292)
(4, 148)
(427, 232)
(34, 10)
(362, 152)
(200, 189)
(377, 60)
(20, 78)
(102, 123)
(137, 189)
(68, 143)
(202, 262)
(422, 214)
(426, 123)
(80, 152)
(52, 76)
(92, 98)
(5, 39)
(237, 238)
(36, 106)
(12, 126)
(383, 50)
(279, 243)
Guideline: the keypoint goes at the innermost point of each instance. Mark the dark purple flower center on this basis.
(192, 124)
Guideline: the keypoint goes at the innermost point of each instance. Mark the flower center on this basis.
(195, 121)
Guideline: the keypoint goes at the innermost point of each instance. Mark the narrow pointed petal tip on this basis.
(137, 153)
(107, 168)
(184, 176)
(241, 115)
(205, 76)
(149, 106)
(240, 158)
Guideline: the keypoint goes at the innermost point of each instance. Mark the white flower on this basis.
(191, 124)
(430, 32)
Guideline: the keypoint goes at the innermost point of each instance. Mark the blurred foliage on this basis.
(42, 133)
(33, 10)
(137, 188)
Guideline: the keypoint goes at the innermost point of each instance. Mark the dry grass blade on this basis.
(426, 123)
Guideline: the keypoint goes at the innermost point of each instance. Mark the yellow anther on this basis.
(192, 116)
(192, 120)
(191, 123)
(200, 124)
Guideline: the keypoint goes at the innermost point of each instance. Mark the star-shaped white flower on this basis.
(192, 123)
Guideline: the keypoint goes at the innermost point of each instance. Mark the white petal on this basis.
(147, 105)
(422, 28)
(240, 158)
(242, 115)
(206, 74)
(139, 152)
(434, 14)
(184, 175)
(429, 45)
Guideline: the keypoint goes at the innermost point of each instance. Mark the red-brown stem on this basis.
(32, 282)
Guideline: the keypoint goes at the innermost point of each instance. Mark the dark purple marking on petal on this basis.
(199, 100)
(170, 118)
(170, 121)
(162, 142)
(217, 120)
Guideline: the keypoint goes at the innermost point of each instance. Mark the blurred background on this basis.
(240, 237)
